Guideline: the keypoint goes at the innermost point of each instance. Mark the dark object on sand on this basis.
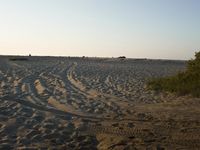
(19, 59)
(122, 57)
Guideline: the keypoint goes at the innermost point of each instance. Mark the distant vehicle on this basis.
(122, 57)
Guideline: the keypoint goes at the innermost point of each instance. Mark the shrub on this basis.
(183, 83)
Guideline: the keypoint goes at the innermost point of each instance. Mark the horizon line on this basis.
(99, 57)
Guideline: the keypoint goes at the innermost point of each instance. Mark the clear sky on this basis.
(168, 29)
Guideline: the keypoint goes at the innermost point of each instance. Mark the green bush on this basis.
(183, 83)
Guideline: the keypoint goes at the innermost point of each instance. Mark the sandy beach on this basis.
(93, 103)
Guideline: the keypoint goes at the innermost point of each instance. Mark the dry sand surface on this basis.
(92, 103)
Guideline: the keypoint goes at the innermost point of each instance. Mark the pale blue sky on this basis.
(168, 29)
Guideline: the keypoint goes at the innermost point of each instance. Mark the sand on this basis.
(92, 103)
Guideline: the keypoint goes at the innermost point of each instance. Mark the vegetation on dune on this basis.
(183, 83)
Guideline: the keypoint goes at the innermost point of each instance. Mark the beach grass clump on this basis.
(183, 83)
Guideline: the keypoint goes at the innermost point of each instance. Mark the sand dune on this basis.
(75, 103)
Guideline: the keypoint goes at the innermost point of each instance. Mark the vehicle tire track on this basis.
(126, 132)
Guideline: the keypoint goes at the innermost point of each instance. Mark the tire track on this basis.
(126, 132)
(90, 94)
(186, 139)
(47, 108)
